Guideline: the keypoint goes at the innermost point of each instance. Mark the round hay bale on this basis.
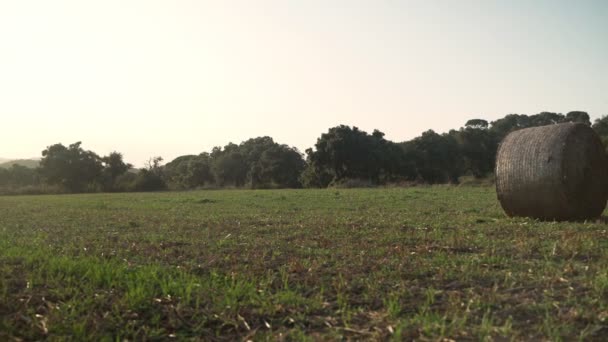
(556, 172)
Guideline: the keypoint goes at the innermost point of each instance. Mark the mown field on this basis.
(421, 263)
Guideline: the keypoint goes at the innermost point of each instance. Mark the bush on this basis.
(149, 181)
(39, 189)
(349, 183)
(125, 182)
(488, 180)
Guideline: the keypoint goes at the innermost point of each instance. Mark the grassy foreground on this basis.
(379, 264)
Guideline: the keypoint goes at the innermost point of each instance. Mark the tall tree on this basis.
(478, 150)
(278, 166)
(71, 167)
(257, 162)
(508, 124)
(545, 118)
(436, 156)
(578, 116)
(350, 153)
(151, 177)
(476, 123)
(18, 176)
(601, 128)
(199, 171)
(190, 171)
(176, 172)
(230, 166)
(601, 125)
(113, 167)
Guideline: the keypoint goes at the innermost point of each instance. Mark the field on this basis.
(421, 263)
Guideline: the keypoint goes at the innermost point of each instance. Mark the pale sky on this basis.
(175, 77)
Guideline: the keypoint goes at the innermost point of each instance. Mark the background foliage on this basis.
(344, 156)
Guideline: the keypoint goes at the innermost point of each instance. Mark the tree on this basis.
(476, 123)
(150, 178)
(349, 153)
(72, 168)
(346, 152)
(198, 171)
(478, 150)
(4, 177)
(278, 166)
(18, 176)
(512, 122)
(176, 171)
(230, 166)
(436, 157)
(113, 168)
(316, 174)
(578, 116)
(413, 158)
(601, 128)
(257, 162)
(508, 124)
(545, 118)
(189, 171)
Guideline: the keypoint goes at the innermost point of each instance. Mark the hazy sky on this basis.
(176, 77)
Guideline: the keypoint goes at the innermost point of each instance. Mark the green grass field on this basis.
(420, 263)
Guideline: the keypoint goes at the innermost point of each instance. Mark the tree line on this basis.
(343, 156)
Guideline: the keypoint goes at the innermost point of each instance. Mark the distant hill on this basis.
(31, 163)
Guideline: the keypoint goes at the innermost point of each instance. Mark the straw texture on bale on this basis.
(556, 172)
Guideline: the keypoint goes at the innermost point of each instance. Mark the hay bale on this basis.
(556, 172)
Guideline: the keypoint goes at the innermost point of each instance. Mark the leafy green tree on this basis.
(478, 150)
(316, 174)
(126, 182)
(601, 128)
(476, 123)
(18, 176)
(545, 118)
(508, 124)
(230, 166)
(436, 157)
(278, 166)
(151, 177)
(252, 149)
(187, 172)
(4, 177)
(71, 167)
(413, 161)
(578, 116)
(113, 168)
(257, 162)
(512, 122)
(176, 172)
(349, 153)
(199, 171)
(114, 165)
